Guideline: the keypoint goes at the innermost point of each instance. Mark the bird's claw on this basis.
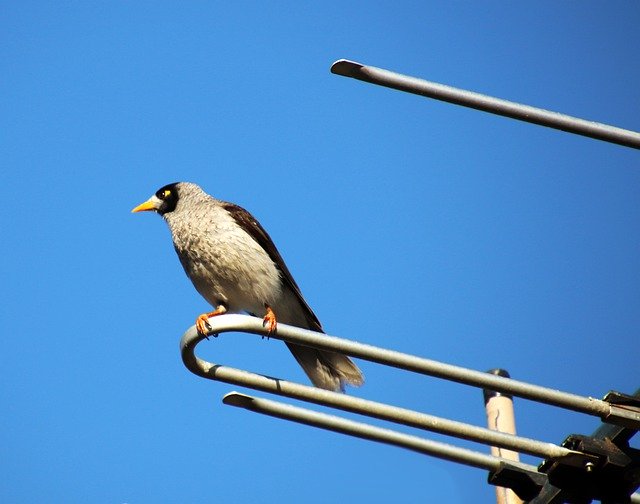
(269, 321)
(202, 322)
(202, 325)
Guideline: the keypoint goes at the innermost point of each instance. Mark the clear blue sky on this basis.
(408, 223)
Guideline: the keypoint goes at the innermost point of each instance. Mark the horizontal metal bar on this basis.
(374, 409)
(486, 103)
(365, 431)
(245, 323)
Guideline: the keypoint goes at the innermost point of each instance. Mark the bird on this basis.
(235, 266)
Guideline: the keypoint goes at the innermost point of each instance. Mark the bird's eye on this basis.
(163, 194)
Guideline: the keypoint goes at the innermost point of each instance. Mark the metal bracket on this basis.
(612, 477)
(613, 473)
(527, 484)
(625, 410)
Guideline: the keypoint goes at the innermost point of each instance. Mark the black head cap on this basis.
(169, 197)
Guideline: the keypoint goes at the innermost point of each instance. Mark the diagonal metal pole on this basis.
(486, 103)
(365, 431)
(525, 479)
(370, 432)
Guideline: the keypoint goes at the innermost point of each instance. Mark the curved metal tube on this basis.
(244, 323)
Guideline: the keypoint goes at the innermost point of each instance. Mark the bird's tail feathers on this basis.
(326, 369)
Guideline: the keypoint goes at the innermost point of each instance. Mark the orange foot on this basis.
(269, 321)
(202, 322)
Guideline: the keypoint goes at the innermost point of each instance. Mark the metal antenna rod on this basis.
(608, 412)
(366, 431)
(525, 480)
(486, 103)
(380, 411)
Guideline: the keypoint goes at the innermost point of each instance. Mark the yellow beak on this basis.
(147, 206)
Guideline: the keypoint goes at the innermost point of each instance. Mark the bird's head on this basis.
(163, 201)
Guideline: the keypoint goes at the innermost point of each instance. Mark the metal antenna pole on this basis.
(370, 432)
(500, 418)
(582, 459)
(486, 103)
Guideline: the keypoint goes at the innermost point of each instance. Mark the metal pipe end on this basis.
(346, 67)
(237, 399)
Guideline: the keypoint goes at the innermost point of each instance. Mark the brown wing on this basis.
(257, 232)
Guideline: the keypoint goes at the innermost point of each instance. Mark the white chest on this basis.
(224, 263)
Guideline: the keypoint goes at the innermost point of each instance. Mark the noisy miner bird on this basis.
(235, 266)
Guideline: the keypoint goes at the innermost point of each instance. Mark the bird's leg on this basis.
(269, 321)
(202, 322)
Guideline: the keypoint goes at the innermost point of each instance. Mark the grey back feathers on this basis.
(233, 262)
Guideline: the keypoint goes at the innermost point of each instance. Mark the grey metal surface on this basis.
(226, 323)
(377, 410)
(365, 431)
(527, 479)
(486, 103)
